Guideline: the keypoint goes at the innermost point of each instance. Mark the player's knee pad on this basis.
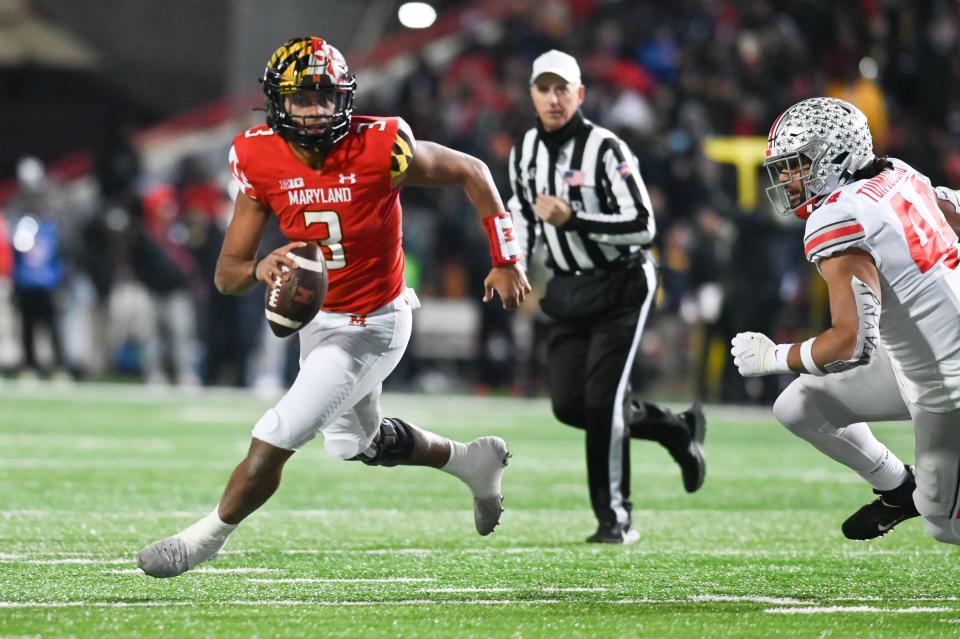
(943, 529)
(392, 445)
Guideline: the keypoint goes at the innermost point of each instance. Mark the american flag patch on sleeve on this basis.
(624, 170)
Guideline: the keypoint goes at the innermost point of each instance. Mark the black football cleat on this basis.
(681, 434)
(689, 453)
(880, 516)
(614, 534)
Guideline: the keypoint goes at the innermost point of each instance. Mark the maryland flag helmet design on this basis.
(302, 74)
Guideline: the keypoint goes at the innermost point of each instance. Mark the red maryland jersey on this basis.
(348, 206)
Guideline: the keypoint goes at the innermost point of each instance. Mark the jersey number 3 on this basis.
(929, 236)
(330, 246)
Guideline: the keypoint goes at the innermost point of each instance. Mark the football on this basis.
(292, 304)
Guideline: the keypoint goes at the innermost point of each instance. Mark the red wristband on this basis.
(504, 247)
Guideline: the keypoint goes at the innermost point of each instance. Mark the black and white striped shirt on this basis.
(597, 174)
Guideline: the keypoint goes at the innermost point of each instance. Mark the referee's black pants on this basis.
(589, 365)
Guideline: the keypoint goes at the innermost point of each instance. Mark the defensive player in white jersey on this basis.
(877, 232)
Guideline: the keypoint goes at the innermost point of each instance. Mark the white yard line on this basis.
(748, 599)
(519, 588)
(265, 604)
(71, 560)
(99, 514)
(430, 602)
(75, 443)
(332, 580)
(97, 558)
(204, 571)
(875, 599)
(113, 464)
(452, 590)
(361, 551)
(826, 610)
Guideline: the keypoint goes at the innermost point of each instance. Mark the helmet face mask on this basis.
(309, 92)
(820, 143)
(789, 175)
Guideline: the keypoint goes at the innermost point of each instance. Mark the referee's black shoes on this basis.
(614, 534)
(689, 454)
(681, 434)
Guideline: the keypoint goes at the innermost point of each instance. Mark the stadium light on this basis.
(416, 15)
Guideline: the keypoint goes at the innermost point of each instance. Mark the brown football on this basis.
(290, 305)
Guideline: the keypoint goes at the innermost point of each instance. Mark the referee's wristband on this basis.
(256, 263)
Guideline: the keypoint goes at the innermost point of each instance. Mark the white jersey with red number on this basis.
(895, 218)
(349, 206)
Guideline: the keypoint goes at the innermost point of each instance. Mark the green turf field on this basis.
(89, 475)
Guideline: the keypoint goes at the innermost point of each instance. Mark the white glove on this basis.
(755, 354)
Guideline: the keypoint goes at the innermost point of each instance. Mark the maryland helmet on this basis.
(820, 142)
(308, 71)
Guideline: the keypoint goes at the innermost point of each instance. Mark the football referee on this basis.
(577, 188)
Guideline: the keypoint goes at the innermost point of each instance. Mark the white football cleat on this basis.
(173, 556)
(487, 457)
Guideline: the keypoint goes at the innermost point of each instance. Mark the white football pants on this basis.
(822, 409)
(343, 362)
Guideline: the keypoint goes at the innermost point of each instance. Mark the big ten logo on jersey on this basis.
(291, 183)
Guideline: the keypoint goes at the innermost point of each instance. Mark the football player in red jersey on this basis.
(334, 179)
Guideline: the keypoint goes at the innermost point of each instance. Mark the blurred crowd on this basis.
(123, 284)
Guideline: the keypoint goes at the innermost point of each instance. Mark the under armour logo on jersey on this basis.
(350, 178)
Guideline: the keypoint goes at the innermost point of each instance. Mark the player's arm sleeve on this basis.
(833, 229)
(525, 225)
(854, 287)
(402, 150)
(240, 176)
(626, 216)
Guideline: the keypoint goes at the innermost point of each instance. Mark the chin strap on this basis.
(806, 209)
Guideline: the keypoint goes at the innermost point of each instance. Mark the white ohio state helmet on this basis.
(822, 142)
